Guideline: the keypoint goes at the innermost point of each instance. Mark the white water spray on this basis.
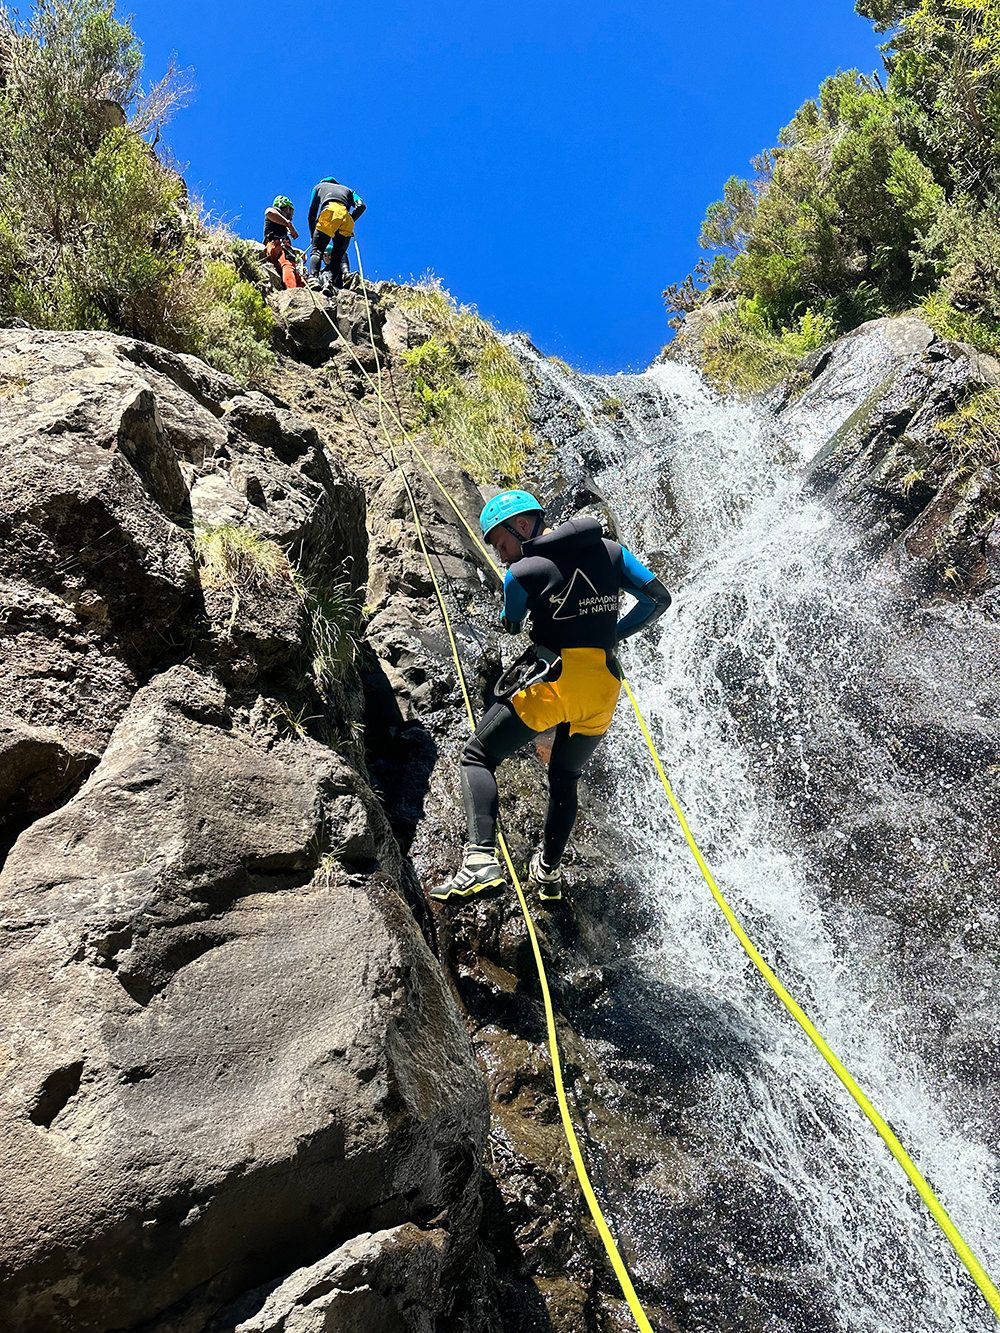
(769, 588)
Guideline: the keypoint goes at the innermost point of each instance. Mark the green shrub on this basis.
(814, 330)
(964, 326)
(435, 377)
(228, 322)
(877, 196)
(741, 351)
(333, 615)
(470, 392)
(95, 231)
(738, 353)
(973, 432)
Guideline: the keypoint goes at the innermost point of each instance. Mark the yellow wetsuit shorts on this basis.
(335, 218)
(584, 695)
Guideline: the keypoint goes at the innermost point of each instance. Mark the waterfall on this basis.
(767, 688)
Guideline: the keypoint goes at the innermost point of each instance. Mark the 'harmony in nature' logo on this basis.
(585, 604)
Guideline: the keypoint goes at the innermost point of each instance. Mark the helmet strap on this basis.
(519, 536)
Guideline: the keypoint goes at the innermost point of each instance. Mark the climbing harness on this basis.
(533, 666)
(960, 1246)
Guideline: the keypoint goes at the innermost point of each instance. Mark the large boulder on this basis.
(314, 322)
(389, 1280)
(115, 454)
(227, 1042)
(229, 1049)
(94, 503)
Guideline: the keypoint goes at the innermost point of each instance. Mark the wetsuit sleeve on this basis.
(651, 597)
(358, 207)
(515, 604)
(313, 211)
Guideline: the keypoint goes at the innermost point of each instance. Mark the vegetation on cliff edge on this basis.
(471, 395)
(95, 231)
(881, 195)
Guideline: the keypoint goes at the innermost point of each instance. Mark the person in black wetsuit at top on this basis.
(333, 211)
(568, 582)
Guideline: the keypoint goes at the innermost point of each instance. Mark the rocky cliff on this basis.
(252, 1081)
(229, 1051)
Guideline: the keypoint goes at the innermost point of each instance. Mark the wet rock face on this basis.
(924, 526)
(872, 417)
(229, 1048)
(634, 1051)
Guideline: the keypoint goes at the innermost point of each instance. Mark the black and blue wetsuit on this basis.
(330, 239)
(568, 585)
(569, 581)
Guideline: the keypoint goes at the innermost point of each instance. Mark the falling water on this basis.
(774, 607)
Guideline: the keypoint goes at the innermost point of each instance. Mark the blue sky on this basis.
(550, 161)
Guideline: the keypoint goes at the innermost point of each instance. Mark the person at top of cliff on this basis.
(279, 233)
(567, 582)
(333, 211)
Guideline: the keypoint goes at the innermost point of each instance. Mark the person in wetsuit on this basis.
(567, 582)
(333, 211)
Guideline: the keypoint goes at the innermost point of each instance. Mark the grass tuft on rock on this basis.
(239, 558)
(471, 395)
(333, 614)
(973, 432)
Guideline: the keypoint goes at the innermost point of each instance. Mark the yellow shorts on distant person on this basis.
(334, 219)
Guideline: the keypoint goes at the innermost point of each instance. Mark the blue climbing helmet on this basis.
(505, 506)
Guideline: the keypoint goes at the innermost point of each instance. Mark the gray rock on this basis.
(387, 1281)
(223, 1044)
(316, 323)
(870, 422)
(92, 492)
(229, 1046)
(36, 768)
(106, 441)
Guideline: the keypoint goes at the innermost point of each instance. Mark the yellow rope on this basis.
(961, 1247)
(882, 1128)
(617, 1263)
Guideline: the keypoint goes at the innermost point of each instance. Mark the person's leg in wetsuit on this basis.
(499, 734)
(570, 756)
(320, 242)
(338, 252)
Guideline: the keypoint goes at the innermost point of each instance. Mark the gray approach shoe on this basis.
(480, 871)
(548, 882)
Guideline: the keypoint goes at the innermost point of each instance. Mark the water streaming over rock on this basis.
(797, 698)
